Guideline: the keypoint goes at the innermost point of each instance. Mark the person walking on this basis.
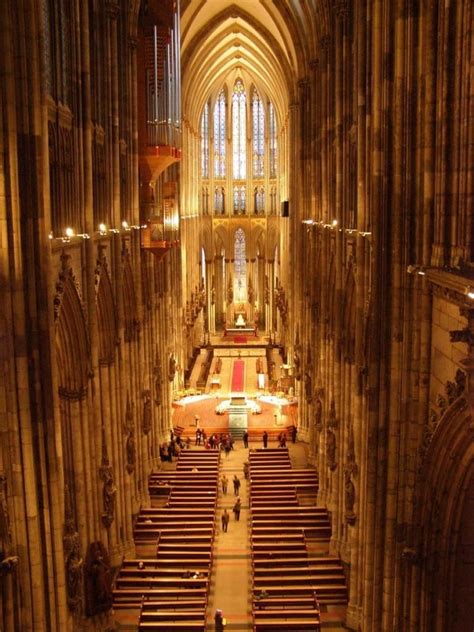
(219, 621)
(225, 520)
(265, 439)
(236, 485)
(246, 470)
(224, 481)
(294, 432)
(236, 509)
(245, 437)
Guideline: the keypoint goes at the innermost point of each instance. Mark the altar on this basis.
(242, 331)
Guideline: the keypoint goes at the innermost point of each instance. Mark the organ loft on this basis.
(224, 225)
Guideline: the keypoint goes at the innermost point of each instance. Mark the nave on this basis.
(270, 571)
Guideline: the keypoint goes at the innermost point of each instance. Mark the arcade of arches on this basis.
(291, 180)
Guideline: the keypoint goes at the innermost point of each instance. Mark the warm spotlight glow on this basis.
(125, 225)
(470, 293)
(102, 229)
(69, 232)
(334, 222)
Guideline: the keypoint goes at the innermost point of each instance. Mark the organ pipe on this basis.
(164, 87)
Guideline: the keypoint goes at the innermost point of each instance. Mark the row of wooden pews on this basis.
(171, 589)
(288, 585)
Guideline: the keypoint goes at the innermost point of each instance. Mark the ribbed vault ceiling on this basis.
(269, 43)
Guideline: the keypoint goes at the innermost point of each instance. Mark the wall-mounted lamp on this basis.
(125, 225)
(102, 229)
(470, 292)
(69, 234)
(412, 269)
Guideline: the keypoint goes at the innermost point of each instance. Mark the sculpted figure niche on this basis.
(130, 447)
(98, 580)
(147, 413)
(318, 416)
(349, 498)
(74, 563)
(109, 490)
(331, 449)
(172, 367)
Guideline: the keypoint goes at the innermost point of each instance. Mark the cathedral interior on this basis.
(237, 216)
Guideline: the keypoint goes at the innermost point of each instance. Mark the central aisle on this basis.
(231, 579)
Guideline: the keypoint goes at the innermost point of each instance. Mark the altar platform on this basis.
(240, 331)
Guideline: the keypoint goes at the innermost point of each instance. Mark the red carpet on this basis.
(238, 371)
(240, 339)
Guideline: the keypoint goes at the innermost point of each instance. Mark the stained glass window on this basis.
(219, 135)
(205, 142)
(239, 199)
(273, 141)
(258, 136)
(240, 268)
(239, 131)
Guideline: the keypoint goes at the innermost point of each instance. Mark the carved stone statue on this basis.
(130, 448)
(331, 449)
(297, 365)
(157, 380)
(172, 368)
(318, 416)
(230, 292)
(74, 575)
(250, 292)
(98, 580)
(131, 451)
(213, 291)
(349, 498)
(147, 414)
(74, 564)
(109, 490)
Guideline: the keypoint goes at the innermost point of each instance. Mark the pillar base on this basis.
(353, 620)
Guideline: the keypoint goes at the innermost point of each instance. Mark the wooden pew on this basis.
(263, 512)
(312, 532)
(287, 498)
(297, 601)
(324, 590)
(287, 561)
(132, 597)
(146, 583)
(165, 562)
(184, 549)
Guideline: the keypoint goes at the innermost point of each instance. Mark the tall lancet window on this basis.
(240, 268)
(258, 135)
(205, 142)
(272, 134)
(219, 135)
(239, 131)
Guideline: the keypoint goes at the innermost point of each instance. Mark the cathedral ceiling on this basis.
(265, 42)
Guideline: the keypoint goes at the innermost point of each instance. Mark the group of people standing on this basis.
(173, 447)
(215, 441)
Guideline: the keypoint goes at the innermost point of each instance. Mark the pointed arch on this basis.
(71, 339)
(443, 484)
(106, 316)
